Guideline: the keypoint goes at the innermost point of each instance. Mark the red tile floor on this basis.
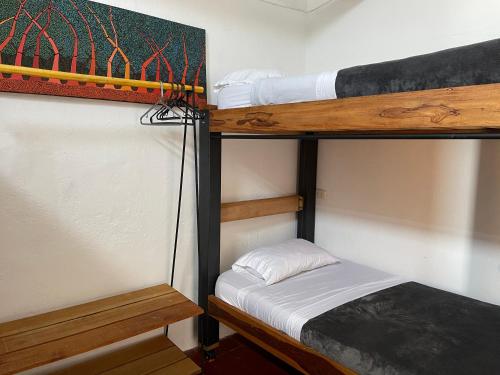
(236, 355)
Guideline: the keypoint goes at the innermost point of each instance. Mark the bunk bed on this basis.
(469, 111)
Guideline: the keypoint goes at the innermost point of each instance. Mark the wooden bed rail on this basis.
(289, 350)
(460, 109)
(261, 207)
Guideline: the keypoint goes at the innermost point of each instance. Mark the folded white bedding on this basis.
(235, 96)
(279, 91)
(289, 304)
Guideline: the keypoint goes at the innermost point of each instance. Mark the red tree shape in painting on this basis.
(186, 60)
(198, 72)
(43, 31)
(12, 31)
(156, 55)
(74, 57)
(196, 81)
(114, 43)
(166, 62)
(36, 56)
(159, 57)
(92, 69)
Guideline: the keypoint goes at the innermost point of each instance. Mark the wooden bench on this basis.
(46, 338)
(156, 356)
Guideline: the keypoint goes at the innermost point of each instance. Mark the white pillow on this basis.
(245, 77)
(279, 262)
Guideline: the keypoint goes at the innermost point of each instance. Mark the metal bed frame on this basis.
(210, 201)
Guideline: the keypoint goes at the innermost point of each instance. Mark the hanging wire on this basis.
(179, 205)
(177, 110)
(196, 181)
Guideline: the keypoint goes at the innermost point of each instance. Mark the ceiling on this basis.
(301, 5)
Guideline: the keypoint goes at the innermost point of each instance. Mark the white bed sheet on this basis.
(289, 304)
(279, 91)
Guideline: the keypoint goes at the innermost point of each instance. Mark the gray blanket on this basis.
(470, 65)
(410, 329)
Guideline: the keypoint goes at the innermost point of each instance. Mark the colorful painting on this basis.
(85, 37)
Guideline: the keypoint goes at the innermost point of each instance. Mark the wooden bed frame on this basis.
(460, 109)
(471, 112)
(274, 341)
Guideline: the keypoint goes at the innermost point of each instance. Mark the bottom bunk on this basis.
(345, 318)
(274, 341)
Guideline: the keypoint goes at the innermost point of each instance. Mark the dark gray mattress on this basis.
(463, 66)
(410, 329)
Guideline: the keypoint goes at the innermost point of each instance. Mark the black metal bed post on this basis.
(306, 187)
(209, 256)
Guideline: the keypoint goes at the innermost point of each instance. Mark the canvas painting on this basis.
(85, 37)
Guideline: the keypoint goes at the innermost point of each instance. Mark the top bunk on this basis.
(463, 110)
(454, 92)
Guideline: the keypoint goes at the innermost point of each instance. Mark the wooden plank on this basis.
(54, 317)
(184, 367)
(117, 358)
(468, 108)
(155, 355)
(86, 323)
(207, 107)
(261, 207)
(65, 333)
(282, 346)
(151, 363)
(72, 345)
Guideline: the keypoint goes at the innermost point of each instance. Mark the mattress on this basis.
(291, 303)
(476, 64)
(409, 329)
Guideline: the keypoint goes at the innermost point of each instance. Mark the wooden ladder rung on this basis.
(46, 338)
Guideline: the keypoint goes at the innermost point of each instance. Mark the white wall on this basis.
(89, 197)
(428, 210)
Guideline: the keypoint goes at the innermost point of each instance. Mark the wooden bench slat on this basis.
(150, 363)
(184, 367)
(86, 323)
(70, 346)
(57, 336)
(119, 357)
(53, 317)
(153, 356)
